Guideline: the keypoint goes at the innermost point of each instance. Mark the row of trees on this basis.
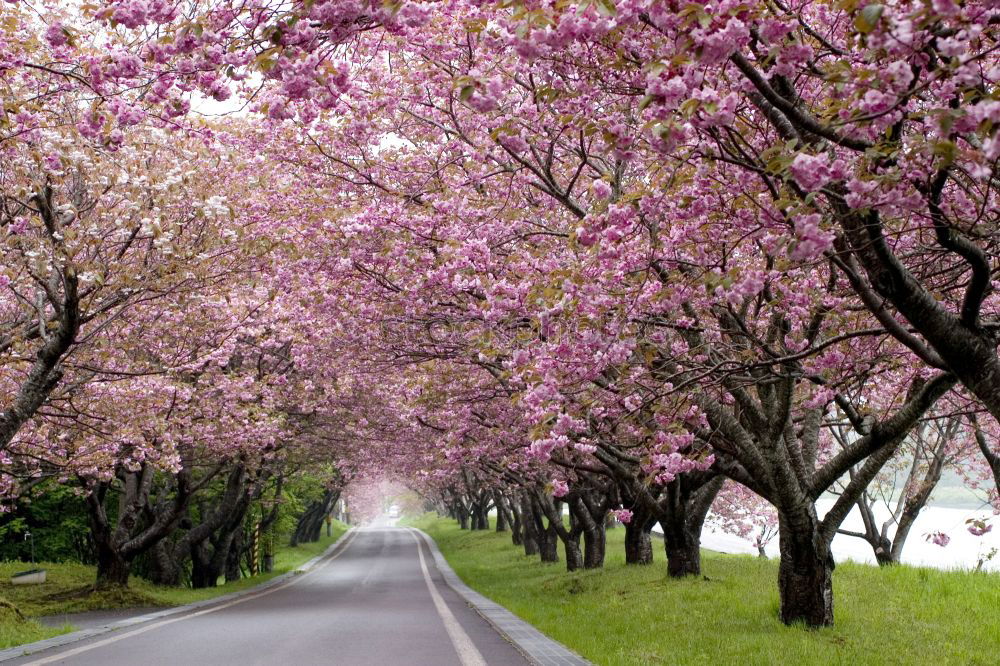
(152, 369)
(602, 254)
(227, 532)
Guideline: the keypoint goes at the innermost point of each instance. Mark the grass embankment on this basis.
(68, 589)
(636, 615)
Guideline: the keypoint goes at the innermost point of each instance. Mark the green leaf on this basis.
(946, 150)
(868, 18)
(607, 7)
(689, 106)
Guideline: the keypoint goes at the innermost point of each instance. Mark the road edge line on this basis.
(537, 648)
(27, 649)
(467, 651)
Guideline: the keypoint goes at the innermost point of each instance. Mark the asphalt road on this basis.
(378, 600)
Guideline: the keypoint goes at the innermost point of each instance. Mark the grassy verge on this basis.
(65, 591)
(16, 629)
(636, 615)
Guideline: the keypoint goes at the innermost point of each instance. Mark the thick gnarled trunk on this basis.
(594, 547)
(805, 572)
(638, 544)
(146, 514)
(574, 555)
(682, 518)
(112, 566)
(233, 555)
(546, 535)
(588, 509)
(683, 551)
(529, 526)
(310, 523)
(516, 522)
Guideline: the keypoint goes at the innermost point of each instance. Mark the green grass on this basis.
(636, 615)
(16, 629)
(66, 591)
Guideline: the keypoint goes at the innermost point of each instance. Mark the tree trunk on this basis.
(112, 568)
(529, 527)
(805, 573)
(913, 505)
(117, 544)
(552, 510)
(682, 546)
(683, 556)
(911, 510)
(587, 516)
(545, 535)
(881, 546)
(883, 552)
(502, 517)
(233, 553)
(594, 547)
(682, 522)
(574, 556)
(517, 525)
(316, 526)
(548, 546)
(164, 569)
(463, 517)
(480, 506)
(203, 574)
(310, 523)
(638, 545)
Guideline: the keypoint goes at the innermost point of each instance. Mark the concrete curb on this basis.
(537, 648)
(65, 639)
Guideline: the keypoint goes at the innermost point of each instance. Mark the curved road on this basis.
(378, 599)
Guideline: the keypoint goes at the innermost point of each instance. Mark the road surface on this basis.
(377, 600)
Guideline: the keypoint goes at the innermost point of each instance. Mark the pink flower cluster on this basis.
(938, 538)
(623, 516)
(559, 488)
(812, 172)
(978, 527)
(811, 240)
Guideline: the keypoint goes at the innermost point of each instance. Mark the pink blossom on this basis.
(978, 527)
(601, 189)
(56, 35)
(876, 101)
(811, 172)
(52, 162)
(717, 45)
(858, 193)
(559, 488)
(623, 516)
(945, 7)
(811, 240)
(791, 56)
(938, 538)
(774, 31)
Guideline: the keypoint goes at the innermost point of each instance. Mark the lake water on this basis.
(962, 552)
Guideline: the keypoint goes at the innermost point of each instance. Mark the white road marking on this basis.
(466, 649)
(156, 625)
